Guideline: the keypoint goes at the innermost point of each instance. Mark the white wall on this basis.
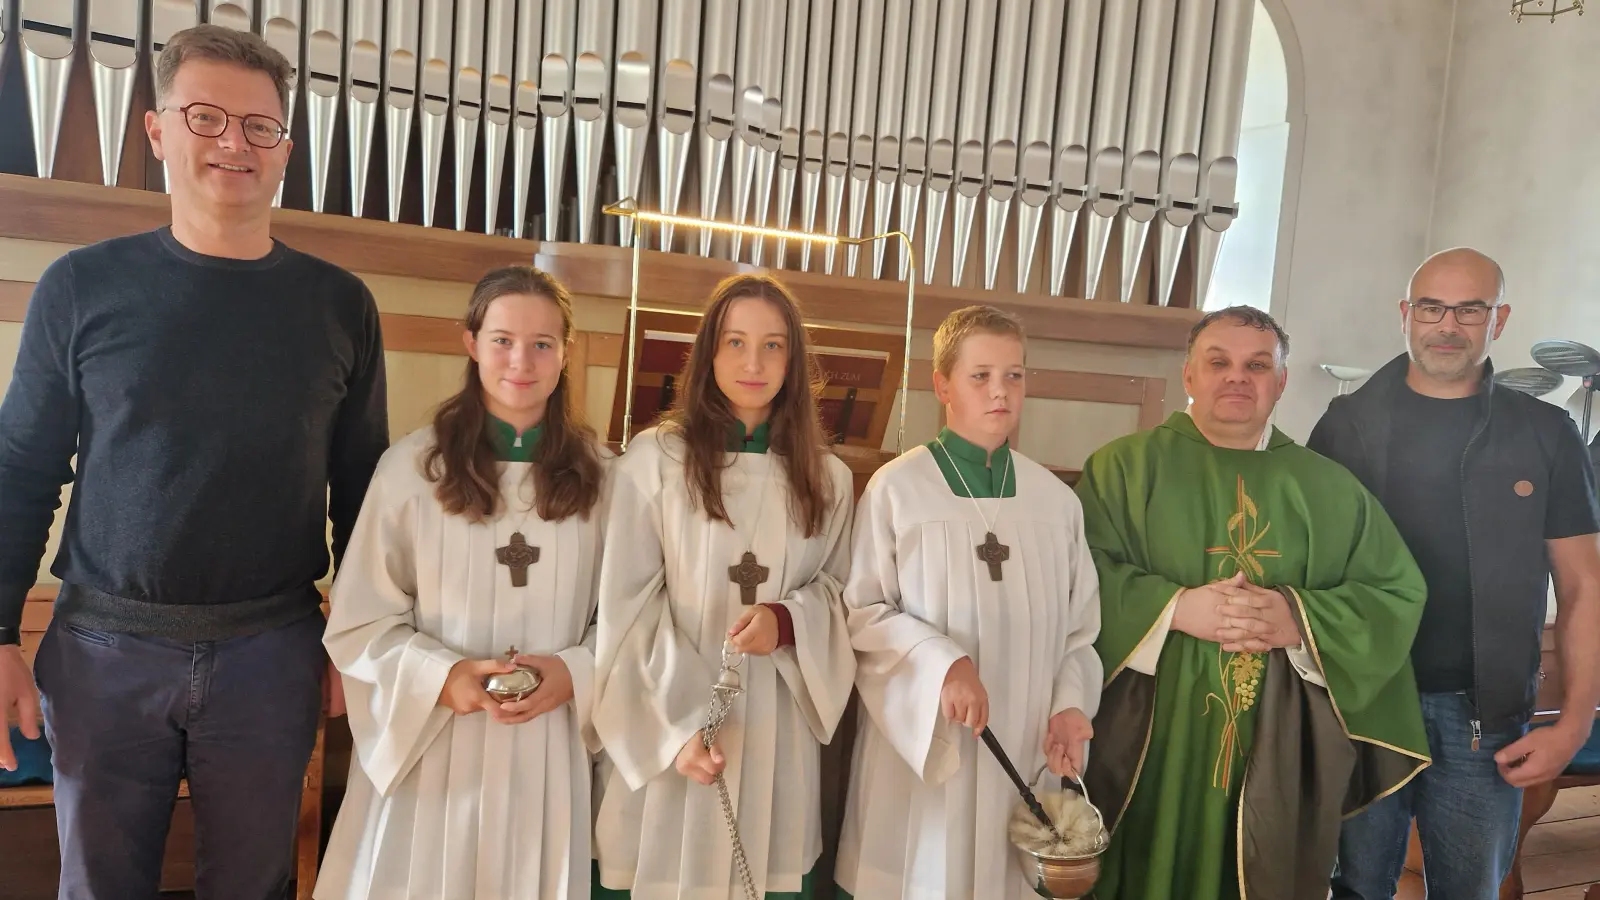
(1248, 259)
(1374, 76)
(1519, 177)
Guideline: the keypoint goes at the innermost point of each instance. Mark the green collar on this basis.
(755, 443)
(511, 447)
(970, 471)
(1183, 423)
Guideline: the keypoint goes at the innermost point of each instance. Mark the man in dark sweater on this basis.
(224, 397)
(1493, 493)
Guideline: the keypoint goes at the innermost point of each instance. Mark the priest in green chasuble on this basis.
(1257, 613)
(972, 606)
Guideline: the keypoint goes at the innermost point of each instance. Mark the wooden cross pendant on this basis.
(517, 556)
(747, 575)
(994, 553)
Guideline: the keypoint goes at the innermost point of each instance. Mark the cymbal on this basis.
(1532, 380)
(1567, 358)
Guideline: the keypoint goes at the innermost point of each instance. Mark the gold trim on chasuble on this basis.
(1240, 673)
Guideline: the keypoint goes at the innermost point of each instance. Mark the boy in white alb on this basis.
(973, 604)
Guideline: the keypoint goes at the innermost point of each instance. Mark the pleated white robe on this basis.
(928, 807)
(666, 604)
(449, 807)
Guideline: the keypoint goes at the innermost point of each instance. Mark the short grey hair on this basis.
(224, 45)
(1241, 315)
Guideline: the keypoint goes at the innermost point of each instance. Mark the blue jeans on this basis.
(1467, 817)
(128, 717)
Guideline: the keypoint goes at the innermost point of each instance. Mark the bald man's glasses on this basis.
(1430, 313)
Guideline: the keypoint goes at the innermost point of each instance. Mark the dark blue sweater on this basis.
(221, 411)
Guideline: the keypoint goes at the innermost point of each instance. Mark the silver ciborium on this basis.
(509, 687)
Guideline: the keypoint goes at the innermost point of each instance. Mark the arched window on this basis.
(1244, 269)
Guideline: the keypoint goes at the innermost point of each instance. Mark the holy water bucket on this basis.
(1064, 877)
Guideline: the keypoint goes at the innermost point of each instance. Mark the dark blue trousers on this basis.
(128, 717)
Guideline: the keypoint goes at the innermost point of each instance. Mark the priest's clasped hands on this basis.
(1242, 617)
(463, 689)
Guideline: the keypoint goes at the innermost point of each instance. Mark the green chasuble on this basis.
(510, 446)
(1225, 775)
(985, 475)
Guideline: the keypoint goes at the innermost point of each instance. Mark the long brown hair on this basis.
(566, 477)
(704, 416)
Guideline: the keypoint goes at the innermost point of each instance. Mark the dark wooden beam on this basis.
(75, 213)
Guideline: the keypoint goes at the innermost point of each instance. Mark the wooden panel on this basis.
(422, 334)
(14, 296)
(1060, 384)
(74, 213)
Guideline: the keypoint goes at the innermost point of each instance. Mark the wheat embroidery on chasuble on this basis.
(1238, 673)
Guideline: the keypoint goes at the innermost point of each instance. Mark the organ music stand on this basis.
(627, 208)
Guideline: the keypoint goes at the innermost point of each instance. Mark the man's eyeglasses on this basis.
(1466, 314)
(209, 121)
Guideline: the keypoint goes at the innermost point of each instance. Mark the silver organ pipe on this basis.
(113, 58)
(1219, 142)
(790, 121)
(942, 128)
(591, 102)
(402, 80)
(717, 57)
(324, 81)
(813, 138)
(1131, 108)
(1180, 173)
(1107, 194)
(434, 96)
(1142, 155)
(676, 111)
(914, 124)
(466, 99)
(841, 85)
(772, 72)
(46, 41)
(499, 75)
(749, 98)
(167, 18)
(631, 99)
(891, 118)
(555, 104)
(529, 51)
(1034, 157)
(864, 120)
(364, 78)
(1005, 123)
(1070, 168)
(972, 126)
(235, 14)
(280, 26)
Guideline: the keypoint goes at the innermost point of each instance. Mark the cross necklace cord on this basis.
(749, 574)
(518, 554)
(991, 551)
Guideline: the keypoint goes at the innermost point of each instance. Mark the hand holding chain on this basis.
(722, 697)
